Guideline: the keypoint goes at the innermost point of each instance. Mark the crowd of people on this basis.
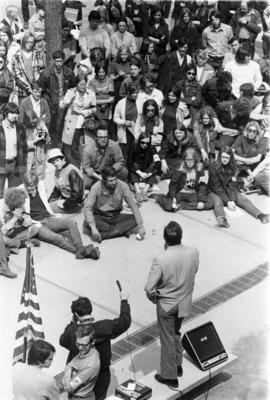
(148, 91)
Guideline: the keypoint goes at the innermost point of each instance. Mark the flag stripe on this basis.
(29, 315)
(29, 319)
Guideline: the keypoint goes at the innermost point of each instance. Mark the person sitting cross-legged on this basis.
(68, 193)
(103, 206)
(52, 226)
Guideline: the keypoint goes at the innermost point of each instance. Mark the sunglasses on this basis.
(145, 143)
(191, 73)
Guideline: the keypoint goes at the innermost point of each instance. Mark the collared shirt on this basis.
(216, 41)
(103, 202)
(11, 140)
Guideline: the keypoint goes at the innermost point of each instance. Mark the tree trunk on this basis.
(53, 24)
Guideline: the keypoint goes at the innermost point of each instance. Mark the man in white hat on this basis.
(68, 193)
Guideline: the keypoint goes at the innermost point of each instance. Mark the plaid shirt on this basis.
(22, 82)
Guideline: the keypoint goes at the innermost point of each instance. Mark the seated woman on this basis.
(103, 87)
(206, 130)
(260, 176)
(16, 225)
(204, 71)
(188, 189)
(190, 91)
(150, 122)
(68, 194)
(222, 181)
(144, 166)
(80, 103)
(134, 77)
(120, 69)
(249, 149)
(149, 58)
(173, 148)
(6, 81)
(149, 91)
(125, 117)
(172, 110)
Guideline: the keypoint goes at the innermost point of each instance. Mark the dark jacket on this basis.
(252, 26)
(21, 150)
(178, 182)
(144, 160)
(170, 71)
(161, 33)
(170, 149)
(49, 82)
(220, 182)
(105, 331)
(185, 31)
(189, 90)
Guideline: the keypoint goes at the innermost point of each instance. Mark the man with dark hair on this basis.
(94, 36)
(215, 39)
(55, 81)
(81, 372)
(103, 206)
(29, 381)
(217, 89)
(170, 286)
(105, 331)
(13, 148)
(99, 153)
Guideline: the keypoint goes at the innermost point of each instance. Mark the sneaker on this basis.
(170, 382)
(222, 222)
(264, 218)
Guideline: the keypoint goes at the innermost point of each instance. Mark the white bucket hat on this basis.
(54, 153)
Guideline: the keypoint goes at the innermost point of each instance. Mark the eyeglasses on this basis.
(191, 73)
(82, 346)
(253, 130)
(190, 159)
(145, 143)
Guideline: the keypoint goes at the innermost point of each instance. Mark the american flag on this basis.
(29, 320)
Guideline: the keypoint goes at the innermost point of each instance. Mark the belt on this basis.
(216, 57)
(11, 160)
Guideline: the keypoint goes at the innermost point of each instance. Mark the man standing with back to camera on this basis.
(170, 286)
(105, 331)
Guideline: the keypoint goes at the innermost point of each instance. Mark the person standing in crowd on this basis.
(37, 28)
(27, 65)
(80, 103)
(55, 82)
(215, 39)
(105, 331)
(246, 24)
(81, 372)
(29, 380)
(170, 286)
(94, 37)
(68, 193)
(157, 31)
(99, 153)
(6, 81)
(13, 148)
(103, 206)
(13, 22)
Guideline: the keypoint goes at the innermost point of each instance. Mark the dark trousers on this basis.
(169, 325)
(111, 227)
(102, 384)
(9, 174)
(72, 152)
(49, 233)
(56, 126)
(190, 201)
(216, 63)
